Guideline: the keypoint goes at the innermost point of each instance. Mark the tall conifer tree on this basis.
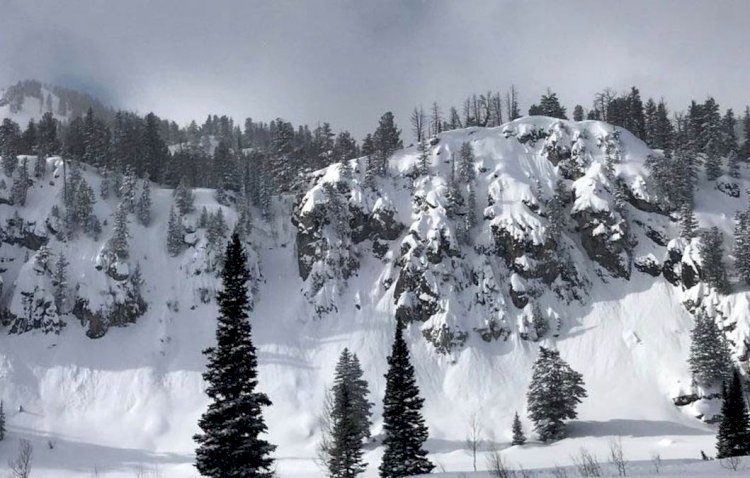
(733, 438)
(403, 424)
(230, 444)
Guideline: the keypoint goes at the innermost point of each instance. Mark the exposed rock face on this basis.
(648, 265)
(604, 237)
(480, 250)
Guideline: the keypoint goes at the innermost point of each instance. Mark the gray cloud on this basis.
(348, 61)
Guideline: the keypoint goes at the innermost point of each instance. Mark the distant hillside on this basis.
(30, 99)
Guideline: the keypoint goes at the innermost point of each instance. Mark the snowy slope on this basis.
(132, 397)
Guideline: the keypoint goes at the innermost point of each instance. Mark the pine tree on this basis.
(10, 139)
(466, 172)
(184, 198)
(2, 422)
(745, 148)
(203, 219)
(104, 186)
(230, 444)
(175, 234)
(554, 392)
(742, 245)
(688, 222)
(20, 184)
(518, 436)
(733, 437)
(710, 360)
(83, 206)
(386, 139)
(155, 153)
(711, 253)
(118, 243)
(403, 425)
(60, 283)
(733, 164)
(143, 208)
(349, 420)
(128, 190)
(578, 113)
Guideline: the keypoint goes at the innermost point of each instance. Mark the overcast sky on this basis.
(346, 62)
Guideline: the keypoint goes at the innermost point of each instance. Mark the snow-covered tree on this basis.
(143, 208)
(554, 392)
(60, 283)
(733, 438)
(203, 219)
(711, 253)
(404, 429)
(118, 243)
(20, 184)
(10, 139)
(688, 222)
(230, 443)
(105, 186)
(175, 234)
(83, 207)
(518, 436)
(128, 190)
(742, 245)
(710, 360)
(184, 198)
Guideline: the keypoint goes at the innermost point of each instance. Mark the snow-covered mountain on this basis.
(563, 240)
(30, 99)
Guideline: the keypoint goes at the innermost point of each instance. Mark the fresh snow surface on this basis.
(131, 400)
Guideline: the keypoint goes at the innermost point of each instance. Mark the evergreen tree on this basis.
(518, 436)
(10, 139)
(143, 208)
(578, 113)
(403, 425)
(466, 174)
(128, 190)
(742, 245)
(733, 438)
(650, 123)
(230, 444)
(49, 142)
(745, 148)
(29, 139)
(74, 141)
(155, 152)
(21, 184)
(60, 283)
(83, 206)
(184, 198)
(175, 234)
(549, 105)
(118, 243)
(729, 127)
(733, 164)
(386, 140)
(349, 420)
(710, 360)
(203, 219)
(105, 185)
(554, 392)
(2, 421)
(688, 222)
(663, 130)
(711, 253)
(345, 147)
